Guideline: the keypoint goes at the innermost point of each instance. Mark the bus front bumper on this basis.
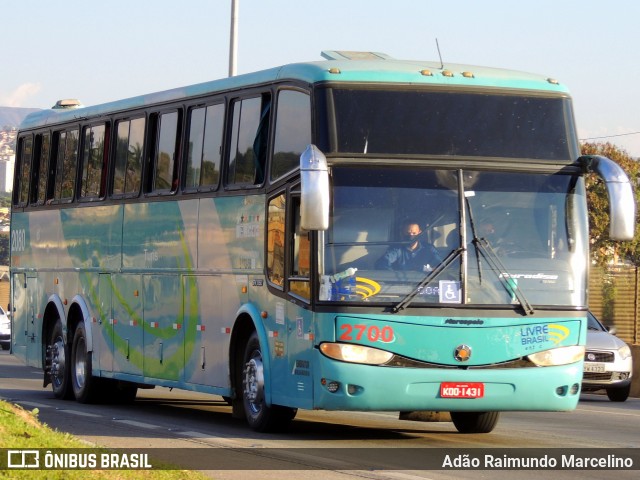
(347, 386)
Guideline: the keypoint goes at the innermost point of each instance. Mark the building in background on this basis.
(6, 172)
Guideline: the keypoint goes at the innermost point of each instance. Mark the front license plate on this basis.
(461, 390)
(594, 367)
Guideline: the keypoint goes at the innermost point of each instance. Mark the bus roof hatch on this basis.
(349, 55)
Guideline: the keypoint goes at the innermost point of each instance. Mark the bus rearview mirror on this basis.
(314, 200)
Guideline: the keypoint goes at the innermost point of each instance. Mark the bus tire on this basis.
(85, 385)
(259, 415)
(59, 364)
(475, 422)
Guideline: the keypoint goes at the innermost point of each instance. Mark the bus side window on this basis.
(65, 164)
(249, 140)
(94, 156)
(128, 162)
(164, 173)
(301, 252)
(23, 180)
(43, 152)
(292, 131)
(276, 219)
(204, 148)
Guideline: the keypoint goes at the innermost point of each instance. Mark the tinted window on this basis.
(448, 123)
(293, 131)
(205, 147)
(128, 162)
(165, 178)
(65, 164)
(93, 162)
(43, 167)
(26, 152)
(249, 139)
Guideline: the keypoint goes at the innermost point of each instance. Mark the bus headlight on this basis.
(347, 352)
(558, 356)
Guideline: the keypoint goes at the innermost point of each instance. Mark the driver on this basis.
(416, 254)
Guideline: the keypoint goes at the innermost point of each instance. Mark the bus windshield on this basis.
(502, 238)
(473, 124)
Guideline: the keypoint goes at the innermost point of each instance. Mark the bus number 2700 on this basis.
(373, 333)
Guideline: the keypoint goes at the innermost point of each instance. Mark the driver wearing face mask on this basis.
(414, 254)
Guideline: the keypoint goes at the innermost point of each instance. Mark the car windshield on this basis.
(594, 323)
(411, 235)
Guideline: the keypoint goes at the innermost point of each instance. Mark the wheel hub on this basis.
(254, 381)
(80, 365)
(58, 361)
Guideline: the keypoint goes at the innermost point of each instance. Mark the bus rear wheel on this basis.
(85, 385)
(475, 422)
(58, 363)
(259, 415)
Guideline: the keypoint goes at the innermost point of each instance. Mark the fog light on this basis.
(354, 389)
(575, 388)
(333, 387)
(561, 391)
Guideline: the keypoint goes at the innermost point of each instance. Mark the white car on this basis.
(607, 362)
(5, 330)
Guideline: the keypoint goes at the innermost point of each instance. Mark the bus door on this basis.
(288, 270)
(24, 331)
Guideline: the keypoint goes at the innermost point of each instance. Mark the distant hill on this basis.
(12, 116)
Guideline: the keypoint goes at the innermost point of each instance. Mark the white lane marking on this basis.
(81, 414)
(609, 412)
(33, 404)
(194, 434)
(222, 441)
(133, 423)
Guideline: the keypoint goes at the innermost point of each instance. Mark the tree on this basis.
(604, 250)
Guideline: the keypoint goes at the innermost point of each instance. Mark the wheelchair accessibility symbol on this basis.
(450, 291)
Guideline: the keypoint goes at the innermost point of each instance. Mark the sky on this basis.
(99, 51)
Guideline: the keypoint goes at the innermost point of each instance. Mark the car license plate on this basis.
(461, 390)
(594, 367)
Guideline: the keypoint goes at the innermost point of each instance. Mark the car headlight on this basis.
(558, 356)
(624, 352)
(347, 352)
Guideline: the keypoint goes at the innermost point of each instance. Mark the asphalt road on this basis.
(186, 427)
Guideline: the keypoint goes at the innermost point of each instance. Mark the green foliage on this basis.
(604, 250)
(20, 429)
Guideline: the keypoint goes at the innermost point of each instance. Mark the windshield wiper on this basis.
(404, 303)
(487, 251)
(483, 246)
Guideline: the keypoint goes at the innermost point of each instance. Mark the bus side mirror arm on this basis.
(622, 205)
(314, 198)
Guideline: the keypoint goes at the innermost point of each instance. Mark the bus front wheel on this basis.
(259, 415)
(475, 422)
